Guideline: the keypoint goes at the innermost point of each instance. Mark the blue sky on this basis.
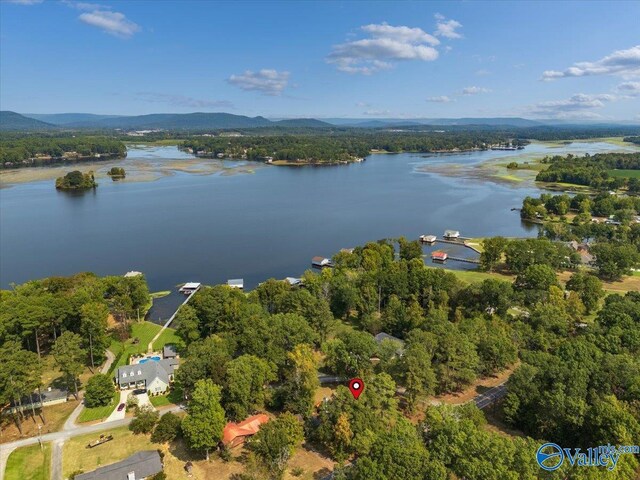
(569, 60)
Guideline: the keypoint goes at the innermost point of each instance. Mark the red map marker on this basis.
(356, 385)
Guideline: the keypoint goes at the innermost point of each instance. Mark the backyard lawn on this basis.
(144, 332)
(30, 462)
(99, 413)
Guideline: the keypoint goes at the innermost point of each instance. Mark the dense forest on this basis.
(635, 140)
(18, 150)
(576, 359)
(592, 170)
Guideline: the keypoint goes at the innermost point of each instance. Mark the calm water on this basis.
(209, 228)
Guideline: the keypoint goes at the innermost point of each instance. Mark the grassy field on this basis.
(31, 463)
(624, 173)
(99, 413)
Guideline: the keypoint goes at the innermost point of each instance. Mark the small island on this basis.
(116, 173)
(76, 180)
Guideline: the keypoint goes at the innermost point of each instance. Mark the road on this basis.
(62, 436)
(490, 396)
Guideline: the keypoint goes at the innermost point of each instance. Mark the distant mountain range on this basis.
(15, 121)
(12, 121)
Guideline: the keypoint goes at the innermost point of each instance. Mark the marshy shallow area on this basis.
(528, 160)
(144, 163)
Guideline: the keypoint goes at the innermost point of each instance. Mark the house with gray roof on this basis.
(153, 376)
(138, 466)
(44, 398)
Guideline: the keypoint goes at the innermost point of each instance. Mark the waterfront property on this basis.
(428, 238)
(189, 288)
(235, 434)
(293, 281)
(154, 376)
(139, 466)
(451, 234)
(439, 256)
(321, 262)
(236, 283)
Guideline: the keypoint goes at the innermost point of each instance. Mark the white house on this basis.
(152, 376)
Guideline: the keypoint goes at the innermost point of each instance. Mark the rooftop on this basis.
(249, 426)
(142, 464)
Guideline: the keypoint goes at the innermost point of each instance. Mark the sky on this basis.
(561, 60)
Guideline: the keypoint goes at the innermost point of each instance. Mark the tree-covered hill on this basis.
(12, 121)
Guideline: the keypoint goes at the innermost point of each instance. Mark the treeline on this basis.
(67, 318)
(29, 150)
(339, 148)
(635, 140)
(592, 170)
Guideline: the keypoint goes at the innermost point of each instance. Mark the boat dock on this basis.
(466, 260)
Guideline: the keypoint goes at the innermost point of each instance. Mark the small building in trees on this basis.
(320, 262)
(235, 434)
(46, 398)
(169, 352)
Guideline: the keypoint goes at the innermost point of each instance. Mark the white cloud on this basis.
(440, 99)
(265, 81)
(629, 88)
(625, 63)
(474, 90)
(385, 44)
(447, 28)
(401, 33)
(578, 106)
(183, 101)
(113, 23)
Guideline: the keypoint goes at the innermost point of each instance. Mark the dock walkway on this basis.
(168, 322)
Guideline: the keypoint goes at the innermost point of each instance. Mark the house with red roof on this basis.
(235, 434)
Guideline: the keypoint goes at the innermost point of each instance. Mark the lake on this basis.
(246, 220)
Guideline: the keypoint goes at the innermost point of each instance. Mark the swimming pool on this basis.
(145, 360)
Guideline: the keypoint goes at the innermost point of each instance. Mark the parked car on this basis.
(139, 391)
(121, 407)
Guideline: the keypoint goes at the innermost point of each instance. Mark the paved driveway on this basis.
(143, 399)
(116, 415)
